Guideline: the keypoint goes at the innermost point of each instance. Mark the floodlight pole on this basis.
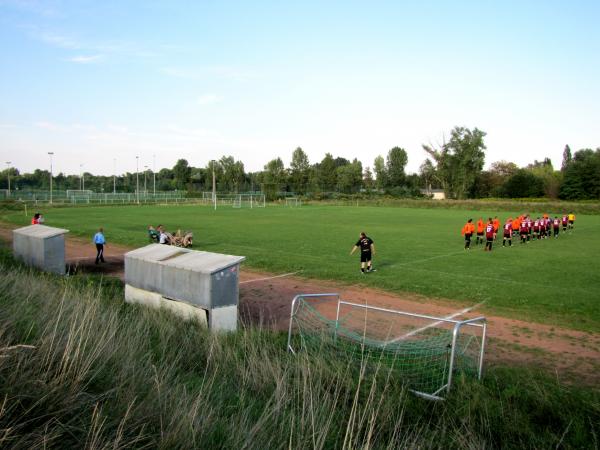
(114, 175)
(145, 172)
(137, 179)
(8, 176)
(50, 153)
(154, 172)
(81, 178)
(214, 186)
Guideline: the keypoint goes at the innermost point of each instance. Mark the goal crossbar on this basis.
(407, 345)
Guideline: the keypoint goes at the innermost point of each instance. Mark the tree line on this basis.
(455, 166)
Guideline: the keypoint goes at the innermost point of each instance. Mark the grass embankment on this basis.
(79, 368)
(420, 251)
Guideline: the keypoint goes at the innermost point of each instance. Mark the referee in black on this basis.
(367, 249)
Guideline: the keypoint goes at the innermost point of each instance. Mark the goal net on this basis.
(425, 352)
(292, 201)
(249, 201)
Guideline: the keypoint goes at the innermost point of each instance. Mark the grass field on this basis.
(79, 368)
(418, 250)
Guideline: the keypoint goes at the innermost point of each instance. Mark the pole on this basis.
(8, 176)
(214, 190)
(145, 172)
(50, 153)
(114, 175)
(137, 179)
(154, 173)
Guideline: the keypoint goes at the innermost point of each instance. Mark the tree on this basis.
(181, 173)
(299, 171)
(566, 158)
(273, 177)
(350, 177)
(459, 161)
(380, 172)
(582, 176)
(523, 184)
(326, 173)
(233, 173)
(396, 161)
(368, 181)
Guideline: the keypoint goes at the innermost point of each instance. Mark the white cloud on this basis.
(209, 99)
(85, 59)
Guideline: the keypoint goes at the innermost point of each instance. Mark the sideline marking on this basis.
(434, 324)
(270, 278)
(427, 259)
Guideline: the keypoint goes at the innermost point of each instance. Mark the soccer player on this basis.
(523, 231)
(489, 235)
(467, 231)
(516, 224)
(556, 225)
(480, 229)
(536, 228)
(571, 220)
(367, 250)
(507, 233)
(529, 228)
(565, 222)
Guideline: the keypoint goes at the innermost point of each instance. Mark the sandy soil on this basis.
(265, 299)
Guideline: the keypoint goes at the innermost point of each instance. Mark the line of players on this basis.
(524, 226)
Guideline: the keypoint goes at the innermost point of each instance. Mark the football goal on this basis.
(423, 351)
(293, 201)
(249, 201)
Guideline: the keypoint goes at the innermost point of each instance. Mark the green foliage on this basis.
(582, 176)
(299, 171)
(459, 161)
(395, 164)
(523, 184)
(181, 174)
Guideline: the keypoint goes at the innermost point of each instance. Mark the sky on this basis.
(101, 82)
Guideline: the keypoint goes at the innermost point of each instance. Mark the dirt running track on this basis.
(568, 354)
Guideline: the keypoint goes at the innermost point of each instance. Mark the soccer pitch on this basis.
(554, 281)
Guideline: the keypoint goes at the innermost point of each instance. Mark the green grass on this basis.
(418, 251)
(79, 368)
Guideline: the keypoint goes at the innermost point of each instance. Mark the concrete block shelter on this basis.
(42, 247)
(192, 284)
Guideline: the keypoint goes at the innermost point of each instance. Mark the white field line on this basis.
(427, 259)
(270, 278)
(434, 324)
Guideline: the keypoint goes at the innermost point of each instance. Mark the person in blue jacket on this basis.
(100, 241)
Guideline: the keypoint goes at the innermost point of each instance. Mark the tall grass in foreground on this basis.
(80, 369)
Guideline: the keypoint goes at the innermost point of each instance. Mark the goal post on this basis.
(292, 202)
(424, 351)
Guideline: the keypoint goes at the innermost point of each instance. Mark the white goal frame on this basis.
(293, 202)
(457, 325)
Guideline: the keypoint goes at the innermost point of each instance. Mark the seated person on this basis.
(153, 234)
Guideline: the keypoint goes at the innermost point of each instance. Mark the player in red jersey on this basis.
(536, 228)
(556, 226)
(489, 235)
(507, 233)
(565, 222)
(523, 231)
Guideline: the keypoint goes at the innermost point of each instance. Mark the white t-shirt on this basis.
(163, 238)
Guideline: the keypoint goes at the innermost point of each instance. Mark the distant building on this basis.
(435, 194)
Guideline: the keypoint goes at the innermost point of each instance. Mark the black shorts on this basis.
(468, 236)
(365, 256)
(480, 234)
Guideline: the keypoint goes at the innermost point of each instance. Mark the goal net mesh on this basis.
(417, 350)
